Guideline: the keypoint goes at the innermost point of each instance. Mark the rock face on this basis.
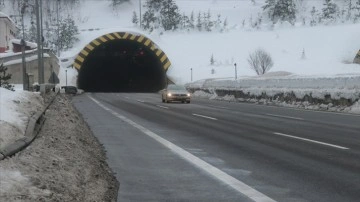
(64, 163)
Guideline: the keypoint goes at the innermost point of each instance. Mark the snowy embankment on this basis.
(16, 108)
(341, 93)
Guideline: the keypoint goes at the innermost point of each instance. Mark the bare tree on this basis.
(260, 61)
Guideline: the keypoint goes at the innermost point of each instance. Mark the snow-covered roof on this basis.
(3, 14)
(29, 44)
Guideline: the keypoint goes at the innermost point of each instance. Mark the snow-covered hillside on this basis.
(329, 50)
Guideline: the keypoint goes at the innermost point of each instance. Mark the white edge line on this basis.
(313, 141)
(213, 171)
(207, 117)
(288, 117)
(142, 101)
(162, 107)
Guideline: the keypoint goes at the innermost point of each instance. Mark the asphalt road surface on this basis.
(222, 151)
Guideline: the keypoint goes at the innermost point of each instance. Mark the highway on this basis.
(224, 151)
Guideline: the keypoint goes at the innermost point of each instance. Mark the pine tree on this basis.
(135, 19)
(314, 16)
(349, 7)
(218, 22)
(284, 10)
(208, 24)
(269, 7)
(199, 22)
(115, 3)
(4, 78)
(212, 60)
(68, 31)
(225, 24)
(170, 16)
(192, 21)
(149, 20)
(330, 11)
(357, 11)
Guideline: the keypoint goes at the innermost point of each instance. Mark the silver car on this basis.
(175, 93)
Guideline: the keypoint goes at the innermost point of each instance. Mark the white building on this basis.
(8, 32)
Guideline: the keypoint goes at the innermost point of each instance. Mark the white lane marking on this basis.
(313, 141)
(162, 107)
(207, 117)
(288, 117)
(218, 107)
(213, 171)
(142, 101)
(127, 97)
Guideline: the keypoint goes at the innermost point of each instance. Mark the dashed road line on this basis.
(207, 117)
(287, 117)
(162, 107)
(313, 141)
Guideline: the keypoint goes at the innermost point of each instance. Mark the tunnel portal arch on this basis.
(122, 62)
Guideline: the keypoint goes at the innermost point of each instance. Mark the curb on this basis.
(34, 125)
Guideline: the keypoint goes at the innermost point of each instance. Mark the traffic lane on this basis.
(145, 169)
(303, 172)
(321, 117)
(284, 125)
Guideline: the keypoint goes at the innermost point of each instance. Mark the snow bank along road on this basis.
(64, 163)
(219, 151)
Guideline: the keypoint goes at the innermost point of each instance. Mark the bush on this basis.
(4, 77)
(260, 61)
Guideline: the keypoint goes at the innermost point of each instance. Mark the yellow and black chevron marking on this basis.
(121, 36)
(357, 58)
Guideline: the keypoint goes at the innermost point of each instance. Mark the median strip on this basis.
(313, 141)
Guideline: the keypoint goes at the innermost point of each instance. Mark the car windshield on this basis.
(176, 87)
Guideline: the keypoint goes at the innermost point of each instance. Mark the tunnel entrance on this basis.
(122, 66)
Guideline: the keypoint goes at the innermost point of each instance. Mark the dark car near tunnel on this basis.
(175, 93)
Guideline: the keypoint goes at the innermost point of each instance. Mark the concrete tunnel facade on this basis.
(122, 62)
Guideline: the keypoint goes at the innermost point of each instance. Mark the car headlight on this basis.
(188, 94)
(169, 94)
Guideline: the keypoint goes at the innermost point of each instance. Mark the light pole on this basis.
(66, 77)
(38, 33)
(140, 12)
(191, 74)
(23, 45)
(58, 26)
(235, 71)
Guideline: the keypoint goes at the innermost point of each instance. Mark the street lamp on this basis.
(235, 71)
(140, 12)
(191, 74)
(23, 45)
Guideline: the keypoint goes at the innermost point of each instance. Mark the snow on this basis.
(15, 110)
(30, 44)
(326, 69)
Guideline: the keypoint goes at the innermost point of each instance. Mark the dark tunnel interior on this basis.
(121, 66)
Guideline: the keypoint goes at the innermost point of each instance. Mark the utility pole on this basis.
(38, 33)
(42, 42)
(235, 72)
(58, 28)
(191, 74)
(140, 12)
